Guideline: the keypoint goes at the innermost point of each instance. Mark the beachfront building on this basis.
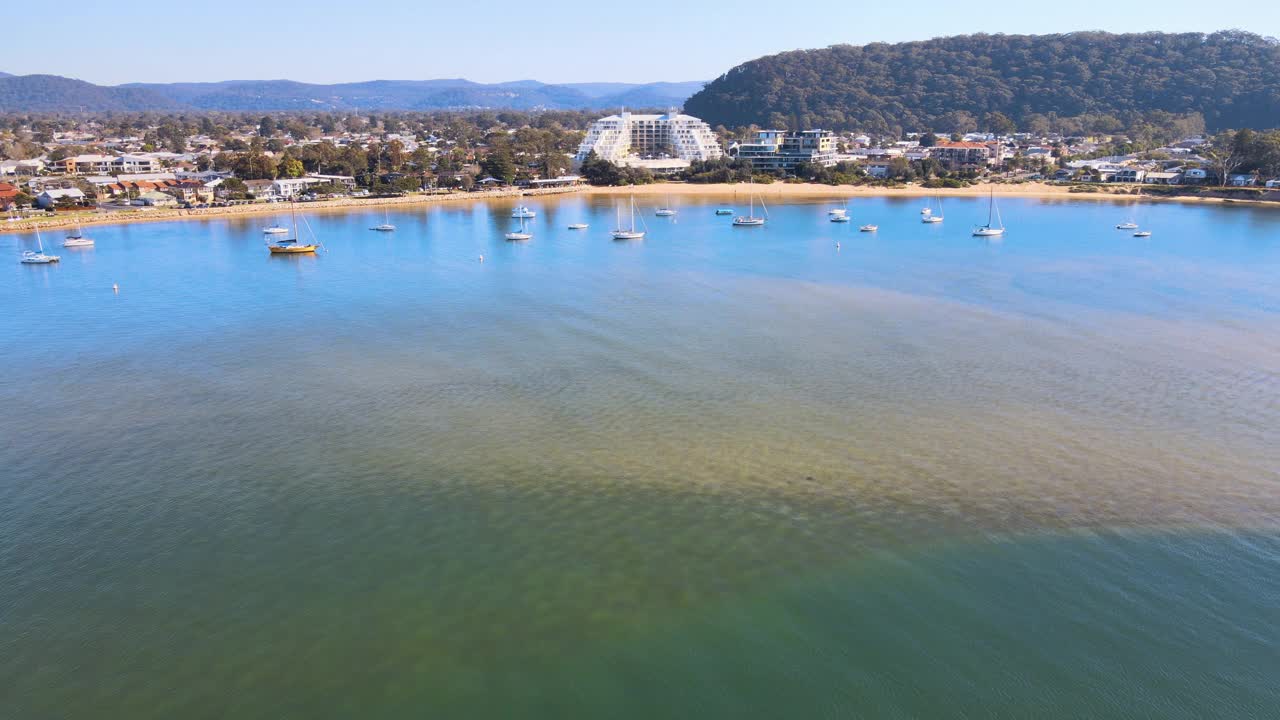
(966, 155)
(665, 141)
(782, 151)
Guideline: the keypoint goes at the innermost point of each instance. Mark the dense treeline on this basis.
(1088, 81)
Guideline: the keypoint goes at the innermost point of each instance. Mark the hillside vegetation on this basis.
(1230, 78)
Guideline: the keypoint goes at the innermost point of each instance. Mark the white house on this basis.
(1195, 175)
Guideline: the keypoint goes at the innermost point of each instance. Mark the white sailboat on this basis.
(839, 215)
(275, 230)
(521, 234)
(386, 225)
(1131, 223)
(665, 210)
(750, 219)
(77, 239)
(523, 212)
(38, 258)
(928, 216)
(994, 226)
(621, 233)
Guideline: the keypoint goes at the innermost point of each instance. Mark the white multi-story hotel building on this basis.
(658, 141)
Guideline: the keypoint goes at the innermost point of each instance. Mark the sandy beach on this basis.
(813, 190)
(777, 190)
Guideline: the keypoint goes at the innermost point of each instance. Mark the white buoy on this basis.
(837, 246)
(481, 258)
(115, 287)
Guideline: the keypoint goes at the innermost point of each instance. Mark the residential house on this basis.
(261, 189)
(8, 195)
(1242, 180)
(21, 167)
(51, 196)
(1195, 176)
(1129, 175)
(155, 198)
(1164, 178)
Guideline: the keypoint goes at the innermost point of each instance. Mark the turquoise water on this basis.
(723, 472)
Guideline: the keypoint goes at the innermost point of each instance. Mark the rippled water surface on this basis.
(717, 473)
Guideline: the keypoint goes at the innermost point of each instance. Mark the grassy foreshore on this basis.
(778, 190)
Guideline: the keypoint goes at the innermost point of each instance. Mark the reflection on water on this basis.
(922, 476)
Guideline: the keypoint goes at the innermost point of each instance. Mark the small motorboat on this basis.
(384, 227)
(1127, 226)
(840, 218)
(869, 228)
(1142, 233)
(724, 211)
(931, 219)
(275, 230)
(578, 226)
(837, 211)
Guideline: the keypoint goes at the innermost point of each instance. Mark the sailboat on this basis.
(275, 230)
(621, 233)
(77, 240)
(994, 226)
(928, 216)
(386, 225)
(521, 234)
(666, 210)
(523, 212)
(38, 258)
(750, 219)
(578, 226)
(1130, 224)
(292, 245)
(839, 215)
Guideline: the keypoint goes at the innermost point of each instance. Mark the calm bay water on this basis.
(720, 472)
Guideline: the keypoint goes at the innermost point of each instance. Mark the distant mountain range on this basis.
(52, 93)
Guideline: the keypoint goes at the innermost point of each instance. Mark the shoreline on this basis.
(1031, 190)
(93, 218)
(779, 190)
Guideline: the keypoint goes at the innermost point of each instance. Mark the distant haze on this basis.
(51, 93)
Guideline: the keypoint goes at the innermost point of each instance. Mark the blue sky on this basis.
(550, 40)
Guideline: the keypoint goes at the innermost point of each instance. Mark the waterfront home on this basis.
(1195, 176)
(261, 189)
(1164, 178)
(51, 196)
(1242, 180)
(967, 155)
(155, 198)
(779, 150)
(1129, 175)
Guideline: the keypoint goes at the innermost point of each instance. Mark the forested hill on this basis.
(1232, 78)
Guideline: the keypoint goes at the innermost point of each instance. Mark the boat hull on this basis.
(627, 235)
(519, 236)
(292, 249)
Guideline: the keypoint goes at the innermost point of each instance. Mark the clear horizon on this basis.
(561, 43)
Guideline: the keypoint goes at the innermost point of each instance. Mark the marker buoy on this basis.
(481, 258)
(115, 287)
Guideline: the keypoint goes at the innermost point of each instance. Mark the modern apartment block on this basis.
(966, 155)
(779, 150)
(659, 141)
